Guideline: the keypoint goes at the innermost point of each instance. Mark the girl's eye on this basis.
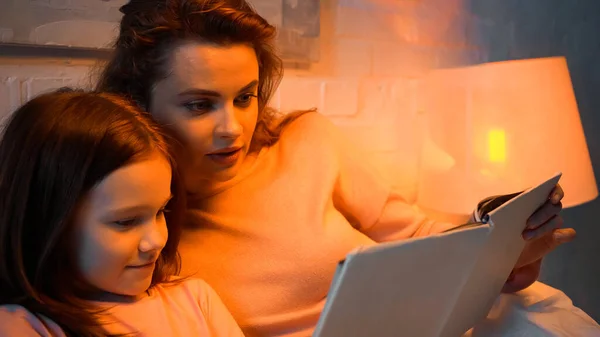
(199, 106)
(245, 99)
(126, 223)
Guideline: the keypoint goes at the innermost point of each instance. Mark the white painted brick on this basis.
(340, 98)
(404, 60)
(73, 83)
(405, 119)
(82, 33)
(78, 80)
(35, 86)
(35, 78)
(379, 103)
(403, 95)
(374, 97)
(392, 124)
(352, 57)
(300, 93)
(9, 96)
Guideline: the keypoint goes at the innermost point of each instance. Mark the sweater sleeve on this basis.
(364, 198)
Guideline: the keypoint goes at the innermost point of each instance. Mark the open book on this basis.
(440, 285)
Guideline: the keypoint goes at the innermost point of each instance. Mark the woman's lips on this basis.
(227, 157)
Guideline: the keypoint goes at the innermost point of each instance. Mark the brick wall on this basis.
(20, 80)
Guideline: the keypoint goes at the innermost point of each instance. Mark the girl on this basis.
(86, 243)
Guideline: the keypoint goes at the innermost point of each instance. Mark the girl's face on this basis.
(120, 227)
(210, 99)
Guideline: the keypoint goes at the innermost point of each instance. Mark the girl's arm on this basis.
(15, 320)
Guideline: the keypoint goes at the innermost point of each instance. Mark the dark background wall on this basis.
(518, 29)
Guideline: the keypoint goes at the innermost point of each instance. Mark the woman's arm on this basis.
(381, 213)
(365, 199)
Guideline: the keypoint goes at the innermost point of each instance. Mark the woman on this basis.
(274, 204)
(85, 249)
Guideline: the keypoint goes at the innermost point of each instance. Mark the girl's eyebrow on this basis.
(136, 208)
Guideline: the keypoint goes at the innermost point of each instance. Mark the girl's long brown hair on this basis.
(54, 150)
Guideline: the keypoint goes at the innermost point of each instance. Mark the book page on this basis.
(405, 288)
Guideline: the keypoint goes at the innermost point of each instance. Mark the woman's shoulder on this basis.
(310, 123)
(16, 320)
(311, 131)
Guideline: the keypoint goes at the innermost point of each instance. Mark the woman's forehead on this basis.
(208, 66)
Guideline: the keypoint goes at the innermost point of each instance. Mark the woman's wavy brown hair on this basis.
(151, 29)
(54, 150)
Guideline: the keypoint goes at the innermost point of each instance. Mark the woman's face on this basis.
(209, 98)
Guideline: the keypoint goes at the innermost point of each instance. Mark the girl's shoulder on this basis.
(185, 288)
(16, 320)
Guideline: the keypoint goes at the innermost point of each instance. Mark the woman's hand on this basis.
(543, 234)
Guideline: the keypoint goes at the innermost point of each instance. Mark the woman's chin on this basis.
(224, 171)
(207, 173)
(225, 174)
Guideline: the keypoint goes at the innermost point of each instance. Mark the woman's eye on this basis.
(245, 99)
(199, 106)
(162, 212)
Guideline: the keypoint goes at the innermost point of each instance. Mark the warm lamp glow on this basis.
(504, 126)
(497, 146)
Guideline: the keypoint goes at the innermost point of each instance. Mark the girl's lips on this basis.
(142, 266)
